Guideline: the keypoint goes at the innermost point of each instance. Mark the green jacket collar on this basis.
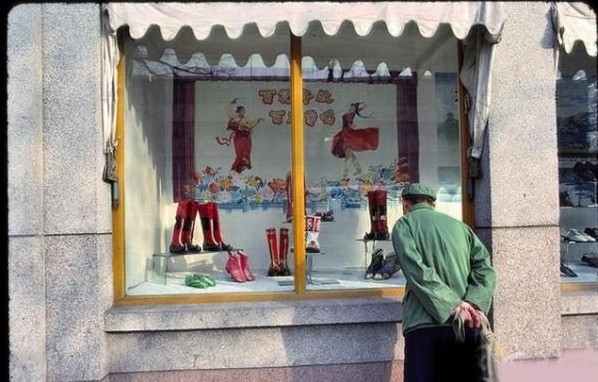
(420, 206)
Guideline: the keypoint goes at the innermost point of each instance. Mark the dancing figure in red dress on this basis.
(241, 128)
(350, 139)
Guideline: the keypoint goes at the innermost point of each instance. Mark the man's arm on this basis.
(435, 296)
(482, 278)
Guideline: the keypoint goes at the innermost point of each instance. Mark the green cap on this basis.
(419, 190)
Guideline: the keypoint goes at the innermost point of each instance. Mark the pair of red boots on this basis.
(238, 267)
(184, 227)
(278, 253)
(378, 217)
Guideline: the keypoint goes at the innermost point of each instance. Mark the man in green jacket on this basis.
(448, 272)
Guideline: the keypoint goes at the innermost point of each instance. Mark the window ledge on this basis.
(582, 301)
(252, 315)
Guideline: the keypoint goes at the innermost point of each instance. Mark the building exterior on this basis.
(464, 99)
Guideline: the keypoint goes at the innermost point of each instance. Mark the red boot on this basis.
(176, 243)
(312, 231)
(189, 228)
(213, 208)
(245, 266)
(205, 215)
(274, 269)
(373, 216)
(234, 268)
(283, 250)
(381, 223)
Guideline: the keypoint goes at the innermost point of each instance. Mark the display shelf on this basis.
(191, 261)
(309, 269)
(310, 279)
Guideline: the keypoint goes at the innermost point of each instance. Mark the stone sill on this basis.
(252, 315)
(583, 301)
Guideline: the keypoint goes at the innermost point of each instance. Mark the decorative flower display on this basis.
(248, 191)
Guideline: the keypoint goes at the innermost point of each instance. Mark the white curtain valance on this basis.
(575, 22)
(478, 24)
(201, 17)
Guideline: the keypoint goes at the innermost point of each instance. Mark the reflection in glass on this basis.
(577, 136)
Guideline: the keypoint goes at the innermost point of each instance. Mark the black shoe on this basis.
(592, 232)
(591, 259)
(566, 271)
(326, 216)
(565, 199)
(276, 270)
(226, 247)
(211, 247)
(584, 171)
(389, 267)
(177, 249)
(193, 248)
(369, 236)
(377, 259)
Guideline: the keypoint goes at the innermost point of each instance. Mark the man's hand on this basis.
(471, 316)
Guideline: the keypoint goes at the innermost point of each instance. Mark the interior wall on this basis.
(147, 174)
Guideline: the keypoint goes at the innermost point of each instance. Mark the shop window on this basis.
(210, 163)
(577, 134)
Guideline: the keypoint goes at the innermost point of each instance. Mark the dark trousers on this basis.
(433, 355)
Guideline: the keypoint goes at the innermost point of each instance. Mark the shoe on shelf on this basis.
(178, 249)
(591, 259)
(369, 236)
(234, 269)
(588, 237)
(245, 266)
(565, 199)
(574, 235)
(327, 216)
(566, 271)
(584, 171)
(389, 267)
(375, 264)
(211, 247)
(592, 231)
(274, 270)
(193, 248)
(226, 247)
(312, 247)
(199, 281)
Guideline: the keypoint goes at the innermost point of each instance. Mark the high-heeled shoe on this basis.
(244, 259)
(234, 269)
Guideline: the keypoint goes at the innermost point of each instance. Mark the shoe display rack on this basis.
(309, 268)
(163, 263)
(310, 264)
(578, 196)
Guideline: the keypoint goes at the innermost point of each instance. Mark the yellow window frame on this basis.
(298, 168)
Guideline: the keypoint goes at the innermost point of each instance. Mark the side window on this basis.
(577, 129)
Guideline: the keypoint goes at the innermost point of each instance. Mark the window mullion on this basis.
(298, 166)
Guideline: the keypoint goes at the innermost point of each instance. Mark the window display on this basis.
(208, 207)
(577, 133)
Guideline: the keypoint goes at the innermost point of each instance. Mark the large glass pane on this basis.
(380, 112)
(577, 129)
(207, 152)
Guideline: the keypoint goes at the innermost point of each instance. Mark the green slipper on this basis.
(196, 281)
(209, 280)
(199, 281)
